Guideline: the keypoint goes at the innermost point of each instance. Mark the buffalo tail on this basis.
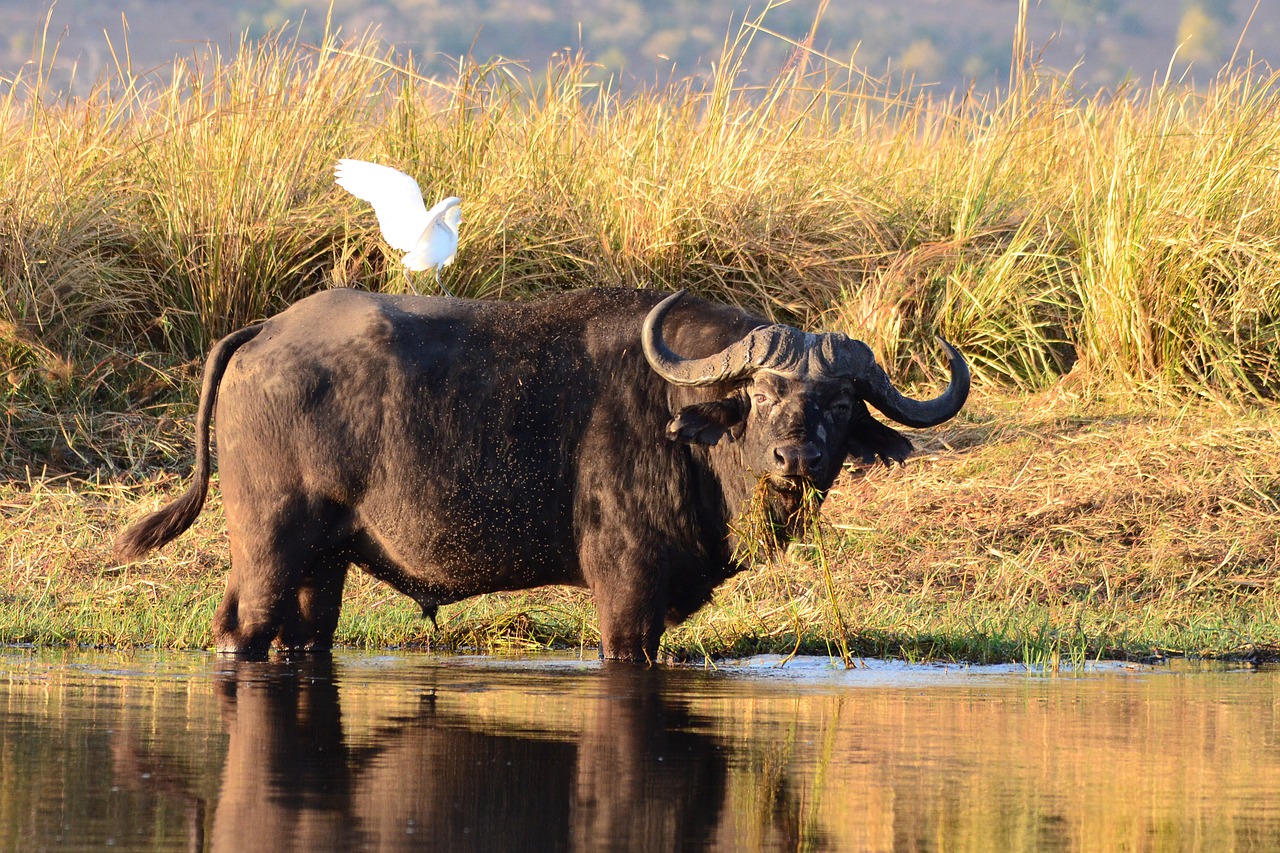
(166, 523)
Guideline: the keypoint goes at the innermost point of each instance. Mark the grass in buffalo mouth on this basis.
(779, 508)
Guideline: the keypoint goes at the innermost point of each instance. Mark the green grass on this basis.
(1107, 262)
(1048, 531)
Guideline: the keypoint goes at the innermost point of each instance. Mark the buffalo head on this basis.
(793, 404)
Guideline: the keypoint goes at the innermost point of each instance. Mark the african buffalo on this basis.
(451, 447)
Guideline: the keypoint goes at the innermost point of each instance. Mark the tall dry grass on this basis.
(1126, 238)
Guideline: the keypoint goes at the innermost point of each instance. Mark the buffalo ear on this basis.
(870, 440)
(707, 423)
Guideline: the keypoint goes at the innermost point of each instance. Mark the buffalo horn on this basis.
(788, 351)
(773, 347)
(874, 386)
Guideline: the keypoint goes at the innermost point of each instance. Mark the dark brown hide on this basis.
(453, 447)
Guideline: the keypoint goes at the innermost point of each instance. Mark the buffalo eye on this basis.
(762, 399)
(842, 407)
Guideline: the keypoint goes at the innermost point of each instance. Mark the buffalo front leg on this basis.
(631, 605)
(630, 629)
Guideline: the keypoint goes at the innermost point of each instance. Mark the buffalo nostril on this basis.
(792, 460)
(811, 456)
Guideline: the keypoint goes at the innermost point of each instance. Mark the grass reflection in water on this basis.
(409, 751)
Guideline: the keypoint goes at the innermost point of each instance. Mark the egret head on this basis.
(453, 213)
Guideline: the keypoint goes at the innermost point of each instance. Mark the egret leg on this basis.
(440, 284)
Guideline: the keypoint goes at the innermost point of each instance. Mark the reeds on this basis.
(1125, 235)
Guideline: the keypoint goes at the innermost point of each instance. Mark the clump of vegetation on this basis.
(1114, 247)
(761, 529)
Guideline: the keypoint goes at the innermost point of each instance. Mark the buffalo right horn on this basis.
(777, 348)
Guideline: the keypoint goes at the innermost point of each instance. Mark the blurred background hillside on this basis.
(944, 44)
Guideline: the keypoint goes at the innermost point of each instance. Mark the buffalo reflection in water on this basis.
(631, 771)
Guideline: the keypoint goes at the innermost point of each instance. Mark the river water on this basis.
(174, 751)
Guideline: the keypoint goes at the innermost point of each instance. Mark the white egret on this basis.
(429, 237)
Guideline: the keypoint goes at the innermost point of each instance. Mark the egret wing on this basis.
(395, 196)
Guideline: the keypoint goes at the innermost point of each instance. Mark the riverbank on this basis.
(1052, 528)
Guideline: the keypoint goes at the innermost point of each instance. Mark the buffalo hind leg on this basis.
(286, 581)
(262, 595)
(309, 625)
